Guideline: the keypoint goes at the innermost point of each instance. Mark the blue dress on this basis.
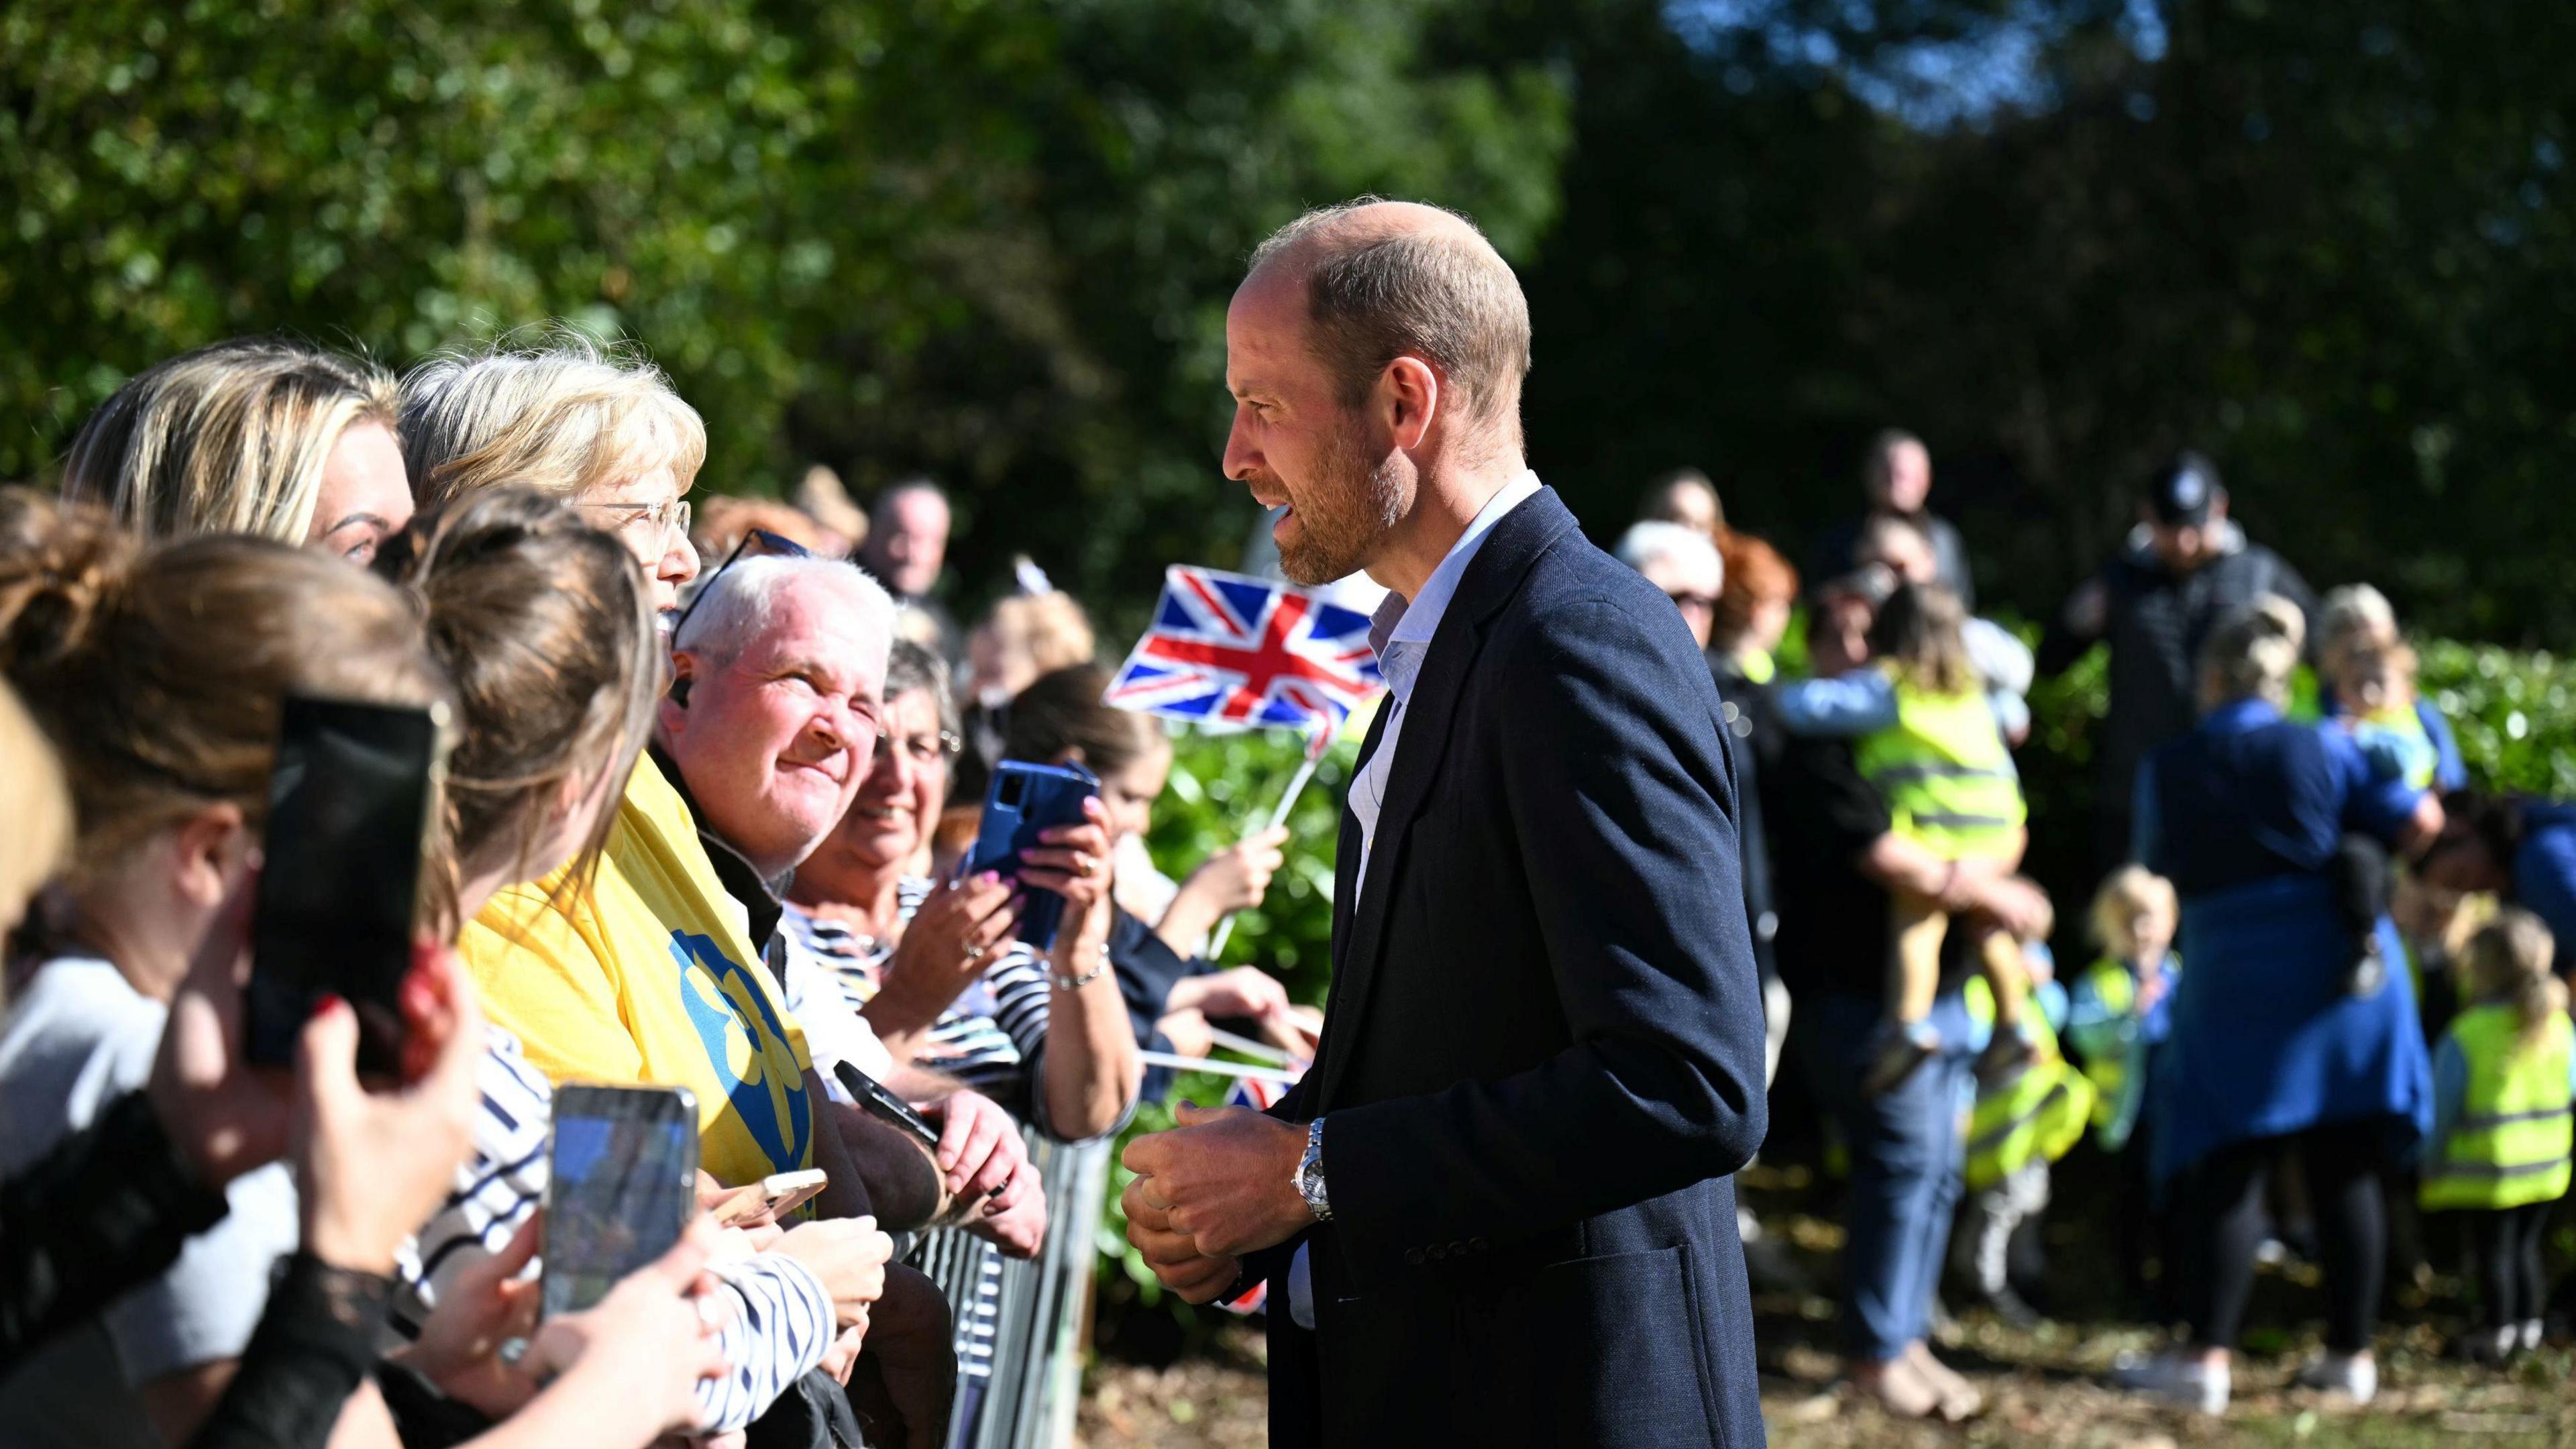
(2544, 871)
(2243, 815)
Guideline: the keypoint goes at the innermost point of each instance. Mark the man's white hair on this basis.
(1644, 543)
(741, 599)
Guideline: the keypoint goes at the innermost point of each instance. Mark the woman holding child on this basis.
(2279, 1044)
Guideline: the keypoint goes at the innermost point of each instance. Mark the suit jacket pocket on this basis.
(1595, 1352)
(1615, 1351)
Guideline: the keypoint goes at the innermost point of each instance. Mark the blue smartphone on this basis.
(1023, 801)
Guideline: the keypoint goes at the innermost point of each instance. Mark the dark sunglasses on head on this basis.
(770, 543)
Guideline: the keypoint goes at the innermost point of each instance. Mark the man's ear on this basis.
(673, 712)
(208, 853)
(1409, 390)
(1069, 755)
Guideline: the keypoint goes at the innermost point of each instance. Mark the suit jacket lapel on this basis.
(1489, 583)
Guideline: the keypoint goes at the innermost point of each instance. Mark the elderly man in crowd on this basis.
(1498, 1209)
(1679, 560)
(766, 774)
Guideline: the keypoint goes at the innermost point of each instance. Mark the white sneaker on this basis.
(2531, 1332)
(2177, 1378)
(2353, 1374)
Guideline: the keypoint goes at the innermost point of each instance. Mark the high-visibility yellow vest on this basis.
(2510, 1144)
(1945, 774)
(2039, 1114)
(2108, 1071)
(2402, 720)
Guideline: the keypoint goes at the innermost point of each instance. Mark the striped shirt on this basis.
(992, 1038)
(780, 1322)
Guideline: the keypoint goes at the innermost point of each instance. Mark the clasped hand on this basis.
(1219, 1185)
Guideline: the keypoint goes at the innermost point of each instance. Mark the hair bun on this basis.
(62, 567)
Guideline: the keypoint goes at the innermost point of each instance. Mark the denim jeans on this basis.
(1905, 1165)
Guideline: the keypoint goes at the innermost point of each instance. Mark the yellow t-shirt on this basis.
(645, 976)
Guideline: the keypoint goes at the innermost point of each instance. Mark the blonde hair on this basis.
(567, 415)
(157, 672)
(37, 805)
(2354, 611)
(2128, 893)
(2251, 654)
(230, 438)
(1039, 634)
(2510, 957)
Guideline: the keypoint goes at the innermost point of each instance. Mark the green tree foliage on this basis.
(990, 239)
(2329, 244)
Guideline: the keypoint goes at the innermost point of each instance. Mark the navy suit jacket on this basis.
(1542, 1057)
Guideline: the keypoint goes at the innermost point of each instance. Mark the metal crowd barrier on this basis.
(1037, 1340)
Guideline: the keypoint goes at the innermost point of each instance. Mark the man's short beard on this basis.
(1367, 498)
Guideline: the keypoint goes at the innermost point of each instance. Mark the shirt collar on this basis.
(1415, 621)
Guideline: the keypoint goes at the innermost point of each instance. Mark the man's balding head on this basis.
(1384, 279)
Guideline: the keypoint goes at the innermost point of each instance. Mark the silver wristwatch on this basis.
(1310, 1173)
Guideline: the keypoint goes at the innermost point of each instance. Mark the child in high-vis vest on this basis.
(2016, 1128)
(1927, 740)
(2503, 1081)
(2120, 1010)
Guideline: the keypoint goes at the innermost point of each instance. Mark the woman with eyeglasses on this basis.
(569, 416)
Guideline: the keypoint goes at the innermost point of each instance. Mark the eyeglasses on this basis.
(669, 516)
(770, 543)
(923, 750)
(1689, 603)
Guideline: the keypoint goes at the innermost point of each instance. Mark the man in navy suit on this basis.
(1498, 1210)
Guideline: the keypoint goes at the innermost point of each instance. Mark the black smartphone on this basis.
(880, 1102)
(1024, 801)
(621, 1186)
(349, 810)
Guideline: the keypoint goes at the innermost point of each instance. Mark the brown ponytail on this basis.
(1062, 711)
(157, 672)
(545, 626)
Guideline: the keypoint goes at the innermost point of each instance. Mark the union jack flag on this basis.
(1230, 649)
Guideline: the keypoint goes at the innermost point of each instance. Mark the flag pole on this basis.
(1318, 742)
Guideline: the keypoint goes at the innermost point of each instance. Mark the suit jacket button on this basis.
(1480, 1245)
(1438, 1252)
(1413, 1257)
(1457, 1250)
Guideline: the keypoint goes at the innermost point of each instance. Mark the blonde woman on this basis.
(599, 425)
(582, 972)
(2274, 1052)
(256, 435)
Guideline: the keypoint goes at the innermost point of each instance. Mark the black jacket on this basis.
(1542, 1058)
(2155, 621)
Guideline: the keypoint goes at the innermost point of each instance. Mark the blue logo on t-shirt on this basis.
(750, 1012)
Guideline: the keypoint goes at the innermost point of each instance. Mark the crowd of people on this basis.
(714, 772)
(694, 829)
(2324, 999)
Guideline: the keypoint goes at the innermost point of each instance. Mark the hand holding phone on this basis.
(350, 803)
(879, 1101)
(1023, 803)
(621, 1187)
